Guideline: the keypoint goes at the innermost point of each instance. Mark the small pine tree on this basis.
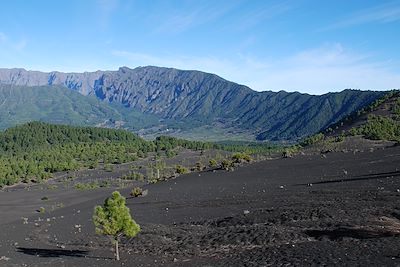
(113, 219)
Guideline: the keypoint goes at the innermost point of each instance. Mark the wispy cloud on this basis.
(326, 68)
(185, 18)
(319, 70)
(384, 13)
(19, 46)
(3, 37)
(8, 44)
(106, 8)
(256, 16)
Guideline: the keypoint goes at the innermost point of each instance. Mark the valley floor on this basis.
(338, 209)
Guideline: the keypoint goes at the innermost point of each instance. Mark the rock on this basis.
(4, 258)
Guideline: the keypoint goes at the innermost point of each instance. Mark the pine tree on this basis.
(113, 219)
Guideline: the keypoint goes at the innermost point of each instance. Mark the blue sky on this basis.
(309, 46)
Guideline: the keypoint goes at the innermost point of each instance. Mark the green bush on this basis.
(86, 186)
(136, 191)
(199, 166)
(227, 164)
(240, 157)
(312, 139)
(41, 210)
(212, 163)
(181, 169)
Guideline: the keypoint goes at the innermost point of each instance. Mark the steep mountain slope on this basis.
(19, 104)
(192, 100)
(376, 126)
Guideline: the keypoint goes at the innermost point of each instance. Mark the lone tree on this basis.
(113, 219)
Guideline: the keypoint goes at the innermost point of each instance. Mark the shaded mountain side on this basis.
(20, 104)
(302, 115)
(192, 100)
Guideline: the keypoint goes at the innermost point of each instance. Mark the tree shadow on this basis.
(364, 177)
(343, 232)
(57, 253)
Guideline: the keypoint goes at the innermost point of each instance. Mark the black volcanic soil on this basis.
(338, 209)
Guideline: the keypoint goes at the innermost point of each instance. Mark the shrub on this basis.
(226, 164)
(239, 157)
(136, 191)
(87, 186)
(312, 140)
(181, 169)
(170, 153)
(212, 163)
(199, 166)
(41, 210)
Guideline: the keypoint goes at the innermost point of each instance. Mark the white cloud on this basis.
(327, 68)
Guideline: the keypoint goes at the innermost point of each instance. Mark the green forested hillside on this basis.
(55, 104)
(33, 151)
(380, 120)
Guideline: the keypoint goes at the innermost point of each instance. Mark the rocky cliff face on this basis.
(81, 82)
(205, 98)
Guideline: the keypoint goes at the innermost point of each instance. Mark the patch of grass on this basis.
(86, 186)
(52, 187)
(135, 176)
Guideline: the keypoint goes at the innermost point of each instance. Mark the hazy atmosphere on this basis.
(307, 46)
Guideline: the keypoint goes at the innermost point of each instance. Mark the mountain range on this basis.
(184, 103)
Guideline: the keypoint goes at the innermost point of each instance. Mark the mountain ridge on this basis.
(204, 99)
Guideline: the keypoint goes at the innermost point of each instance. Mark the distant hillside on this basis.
(380, 120)
(194, 103)
(32, 152)
(56, 104)
(39, 135)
